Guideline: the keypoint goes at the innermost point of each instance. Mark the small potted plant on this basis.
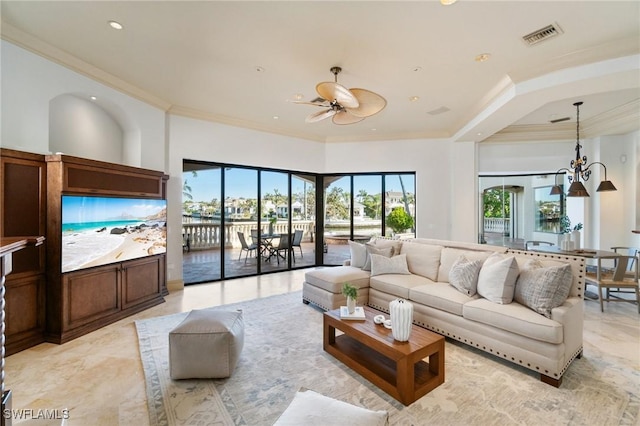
(351, 293)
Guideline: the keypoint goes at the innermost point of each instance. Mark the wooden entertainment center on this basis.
(44, 303)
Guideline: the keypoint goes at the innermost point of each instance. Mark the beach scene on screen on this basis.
(102, 230)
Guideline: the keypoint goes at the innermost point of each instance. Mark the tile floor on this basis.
(98, 377)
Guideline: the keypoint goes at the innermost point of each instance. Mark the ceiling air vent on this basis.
(559, 120)
(542, 34)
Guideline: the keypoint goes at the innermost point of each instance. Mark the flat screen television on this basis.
(102, 230)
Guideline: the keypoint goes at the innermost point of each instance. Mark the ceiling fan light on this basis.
(606, 185)
(577, 189)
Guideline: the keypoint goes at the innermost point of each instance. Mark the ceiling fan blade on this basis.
(324, 104)
(345, 117)
(333, 91)
(370, 103)
(320, 115)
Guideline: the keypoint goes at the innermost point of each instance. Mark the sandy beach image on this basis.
(102, 231)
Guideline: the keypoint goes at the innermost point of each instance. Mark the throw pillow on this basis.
(310, 408)
(464, 275)
(543, 288)
(358, 254)
(371, 249)
(389, 265)
(497, 278)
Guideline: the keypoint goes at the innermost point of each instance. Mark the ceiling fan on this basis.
(346, 106)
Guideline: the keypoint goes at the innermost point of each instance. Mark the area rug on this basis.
(283, 353)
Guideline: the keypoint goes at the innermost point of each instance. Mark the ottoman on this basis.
(323, 287)
(206, 345)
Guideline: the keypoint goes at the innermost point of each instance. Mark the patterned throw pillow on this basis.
(464, 275)
(371, 249)
(543, 288)
(497, 278)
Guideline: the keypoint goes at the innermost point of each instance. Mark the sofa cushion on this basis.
(372, 249)
(463, 275)
(358, 254)
(514, 318)
(331, 279)
(422, 259)
(450, 255)
(441, 296)
(381, 265)
(396, 284)
(543, 289)
(497, 278)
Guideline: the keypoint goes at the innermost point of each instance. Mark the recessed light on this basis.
(417, 69)
(479, 133)
(275, 117)
(483, 57)
(414, 98)
(298, 96)
(447, 2)
(115, 25)
(374, 129)
(259, 69)
(93, 98)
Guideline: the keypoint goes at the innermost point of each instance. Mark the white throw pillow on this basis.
(313, 409)
(497, 278)
(464, 275)
(381, 265)
(543, 288)
(358, 254)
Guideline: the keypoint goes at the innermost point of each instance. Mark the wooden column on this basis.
(8, 246)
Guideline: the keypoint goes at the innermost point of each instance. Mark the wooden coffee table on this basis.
(405, 370)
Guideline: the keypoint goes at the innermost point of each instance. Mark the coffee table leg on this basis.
(405, 379)
(329, 337)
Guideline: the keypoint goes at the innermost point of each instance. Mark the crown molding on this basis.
(620, 120)
(28, 42)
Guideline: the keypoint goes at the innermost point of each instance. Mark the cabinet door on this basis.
(90, 295)
(24, 313)
(141, 280)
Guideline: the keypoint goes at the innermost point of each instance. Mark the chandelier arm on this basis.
(558, 172)
(603, 166)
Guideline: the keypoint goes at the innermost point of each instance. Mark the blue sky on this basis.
(76, 209)
(242, 183)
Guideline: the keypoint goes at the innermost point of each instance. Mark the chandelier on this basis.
(580, 170)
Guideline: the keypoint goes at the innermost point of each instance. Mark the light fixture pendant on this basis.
(579, 170)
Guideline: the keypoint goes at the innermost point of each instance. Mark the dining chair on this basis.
(529, 245)
(628, 251)
(248, 248)
(616, 281)
(297, 240)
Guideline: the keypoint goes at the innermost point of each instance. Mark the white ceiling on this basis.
(200, 59)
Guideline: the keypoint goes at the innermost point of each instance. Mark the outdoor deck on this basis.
(200, 266)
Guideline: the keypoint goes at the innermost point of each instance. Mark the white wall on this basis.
(81, 128)
(29, 82)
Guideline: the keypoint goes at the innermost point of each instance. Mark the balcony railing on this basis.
(204, 236)
(497, 224)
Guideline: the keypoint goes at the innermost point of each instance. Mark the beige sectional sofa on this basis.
(520, 331)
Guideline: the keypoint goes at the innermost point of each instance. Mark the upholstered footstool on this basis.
(206, 345)
(323, 287)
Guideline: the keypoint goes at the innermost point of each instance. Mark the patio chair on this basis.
(297, 240)
(248, 248)
(283, 246)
